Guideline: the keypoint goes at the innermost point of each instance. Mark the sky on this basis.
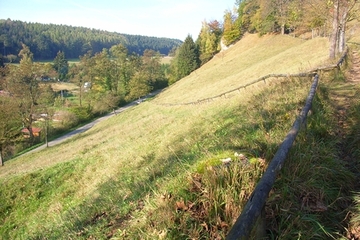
(158, 18)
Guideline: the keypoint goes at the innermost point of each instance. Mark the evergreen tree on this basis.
(61, 65)
(45, 40)
(1, 60)
(186, 59)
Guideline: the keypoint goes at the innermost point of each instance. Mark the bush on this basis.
(68, 120)
(82, 113)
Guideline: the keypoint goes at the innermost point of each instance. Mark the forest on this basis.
(46, 40)
(120, 68)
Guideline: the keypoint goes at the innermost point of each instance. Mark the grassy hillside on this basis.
(149, 172)
(250, 59)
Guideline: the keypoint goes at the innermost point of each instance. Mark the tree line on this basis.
(300, 18)
(295, 17)
(46, 40)
(105, 81)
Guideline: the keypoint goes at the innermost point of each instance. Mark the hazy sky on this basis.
(159, 18)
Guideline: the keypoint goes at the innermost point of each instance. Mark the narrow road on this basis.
(90, 125)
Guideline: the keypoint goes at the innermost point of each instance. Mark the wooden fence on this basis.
(264, 78)
(255, 205)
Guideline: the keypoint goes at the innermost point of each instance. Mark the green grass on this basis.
(70, 61)
(154, 171)
(312, 192)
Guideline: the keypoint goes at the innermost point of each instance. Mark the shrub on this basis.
(83, 114)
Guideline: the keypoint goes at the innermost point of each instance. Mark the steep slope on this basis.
(249, 59)
(98, 181)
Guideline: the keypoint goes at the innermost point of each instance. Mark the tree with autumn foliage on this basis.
(209, 39)
(23, 84)
(231, 32)
(293, 16)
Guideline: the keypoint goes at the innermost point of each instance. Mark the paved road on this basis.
(90, 125)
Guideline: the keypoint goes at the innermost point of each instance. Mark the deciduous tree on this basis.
(10, 124)
(139, 86)
(23, 84)
(335, 29)
(231, 28)
(348, 11)
(152, 70)
(209, 40)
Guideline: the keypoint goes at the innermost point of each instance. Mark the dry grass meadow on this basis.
(110, 181)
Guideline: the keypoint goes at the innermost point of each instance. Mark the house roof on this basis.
(34, 130)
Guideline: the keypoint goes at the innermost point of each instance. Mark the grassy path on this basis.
(345, 97)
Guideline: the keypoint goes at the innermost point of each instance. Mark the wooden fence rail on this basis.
(254, 207)
(264, 78)
(256, 202)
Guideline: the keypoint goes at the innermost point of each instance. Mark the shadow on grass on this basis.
(255, 132)
(350, 150)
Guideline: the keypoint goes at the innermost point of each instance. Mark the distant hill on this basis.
(45, 40)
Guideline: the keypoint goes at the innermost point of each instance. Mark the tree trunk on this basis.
(1, 158)
(342, 28)
(31, 135)
(46, 132)
(335, 31)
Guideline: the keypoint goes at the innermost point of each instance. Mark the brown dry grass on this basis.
(57, 86)
(124, 147)
(249, 59)
(151, 127)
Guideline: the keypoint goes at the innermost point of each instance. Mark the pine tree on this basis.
(186, 59)
(61, 65)
(1, 60)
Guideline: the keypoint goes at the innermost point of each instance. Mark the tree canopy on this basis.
(295, 17)
(186, 59)
(46, 40)
(61, 65)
